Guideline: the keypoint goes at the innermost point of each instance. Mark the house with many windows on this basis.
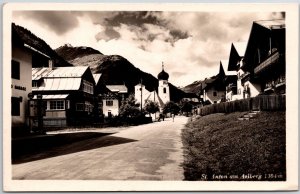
(213, 89)
(264, 60)
(67, 94)
(234, 88)
(112, 99)
(22, 59)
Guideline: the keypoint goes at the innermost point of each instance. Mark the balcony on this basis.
(273, 85)
(272, 59)
(245, 77)
(231, 87)
(280, 81)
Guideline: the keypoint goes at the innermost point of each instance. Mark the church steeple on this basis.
(163, 85)
(163, 75)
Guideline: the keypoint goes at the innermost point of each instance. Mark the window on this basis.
(15, 69)
(88, 87)
(68, 104)
(79, 107)
(165, 90)
(34, 84)
(15, 106)
(215, 94)
(109, 103)
(57, 105)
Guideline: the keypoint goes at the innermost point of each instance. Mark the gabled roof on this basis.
(260, 34)
(59, 84)
(217, 81)
(272, 24)
(207, 82)
(58, 72)
(236, 53)
(117, 88)
(59, 78)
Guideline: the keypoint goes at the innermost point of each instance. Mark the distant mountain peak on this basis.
(68, 45)
(68, 52)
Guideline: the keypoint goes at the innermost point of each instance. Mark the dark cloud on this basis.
(178, 34)
(137, 18)
(58, 21)
(108, 34)
(137, 22)
(63, 21)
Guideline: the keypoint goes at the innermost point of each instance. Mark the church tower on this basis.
(163, 86)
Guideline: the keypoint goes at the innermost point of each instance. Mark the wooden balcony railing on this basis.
(268, 62)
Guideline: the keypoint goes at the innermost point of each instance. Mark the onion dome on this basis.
(163, 75)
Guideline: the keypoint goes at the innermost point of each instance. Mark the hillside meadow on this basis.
(219, 147)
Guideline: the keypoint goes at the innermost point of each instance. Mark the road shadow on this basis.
(41, 147)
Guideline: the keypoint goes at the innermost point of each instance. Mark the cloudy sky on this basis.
(191, 44)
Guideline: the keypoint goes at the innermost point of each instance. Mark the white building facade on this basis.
(21, 64)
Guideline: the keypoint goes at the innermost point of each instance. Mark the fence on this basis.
(262, 102)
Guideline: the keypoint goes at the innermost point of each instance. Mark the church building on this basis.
(161, 95)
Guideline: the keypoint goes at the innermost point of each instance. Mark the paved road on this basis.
(146, 152)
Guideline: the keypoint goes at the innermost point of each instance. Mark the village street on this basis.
(146, 152)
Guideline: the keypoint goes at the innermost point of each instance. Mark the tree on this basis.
(129, 107)
(151, 107)
(186, 107)
(171, 107)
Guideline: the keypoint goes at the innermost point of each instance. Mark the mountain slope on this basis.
(115, 69)
(22, 35)
(194, 87)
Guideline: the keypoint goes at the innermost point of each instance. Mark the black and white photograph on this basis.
(150, 97)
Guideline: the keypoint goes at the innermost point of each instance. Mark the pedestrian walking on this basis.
(160, 117)
(173, 116)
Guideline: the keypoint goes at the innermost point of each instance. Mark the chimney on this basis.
(51, 65)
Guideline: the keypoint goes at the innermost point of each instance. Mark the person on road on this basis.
(173, 116)
(160, 117)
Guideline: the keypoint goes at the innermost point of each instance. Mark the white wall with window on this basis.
(251, 89)
(240, 87)
(213, 95)
(21, 65)
(110, 106)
